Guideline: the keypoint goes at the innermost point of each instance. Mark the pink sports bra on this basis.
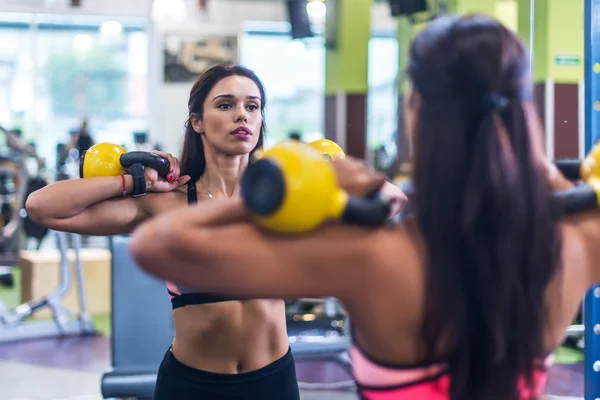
(423, 381)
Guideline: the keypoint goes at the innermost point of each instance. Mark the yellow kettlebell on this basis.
(330, 149)
(590, 168)
(110, 159)
(293, 189)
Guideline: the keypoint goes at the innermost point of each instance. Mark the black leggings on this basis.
(276, 381)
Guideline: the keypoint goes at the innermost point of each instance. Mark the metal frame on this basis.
(591, 309)
(14, 325)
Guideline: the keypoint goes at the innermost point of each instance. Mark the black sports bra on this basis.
(182, 296)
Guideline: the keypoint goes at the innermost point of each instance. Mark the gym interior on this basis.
(78, 319)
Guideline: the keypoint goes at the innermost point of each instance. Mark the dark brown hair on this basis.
(482, 205)
(192, 158)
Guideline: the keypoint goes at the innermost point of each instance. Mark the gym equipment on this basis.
(591, 303)
(591, 308)
(142, 326)
(330, 149)
(13, 324)
(109, 159)
(293, 189)
(14, 183)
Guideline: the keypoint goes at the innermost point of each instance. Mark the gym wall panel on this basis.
(346, 75)
(566, 120)
(506, 12)
(565, 47)
(356, 121)
(558, 70)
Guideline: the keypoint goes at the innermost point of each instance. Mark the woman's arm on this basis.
(581, 233)
(214, 247)
(92, 206)
(96, 206)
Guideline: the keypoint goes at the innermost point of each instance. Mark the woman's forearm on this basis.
(65, 199)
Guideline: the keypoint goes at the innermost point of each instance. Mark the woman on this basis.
(221, 345)
(467, 299)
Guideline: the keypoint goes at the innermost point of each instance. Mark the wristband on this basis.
(139, 179)
(124, 193)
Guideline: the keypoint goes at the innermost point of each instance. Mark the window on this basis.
(382, 109)
(57, 70)
(294, 76)
(293, 73)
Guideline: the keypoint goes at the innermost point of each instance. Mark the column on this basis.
(348, 29)
(405, 32)
(591, 104)
(558, 46)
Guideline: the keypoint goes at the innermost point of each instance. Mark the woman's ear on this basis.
(196, 122)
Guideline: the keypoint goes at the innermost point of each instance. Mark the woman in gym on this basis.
(468, 298)
(223, 347)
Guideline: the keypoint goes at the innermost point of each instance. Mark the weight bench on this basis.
(142, 326)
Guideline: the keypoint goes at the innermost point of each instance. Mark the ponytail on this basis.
(489, 223)
(192, 157)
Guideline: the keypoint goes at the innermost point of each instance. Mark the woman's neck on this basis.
(223, 173)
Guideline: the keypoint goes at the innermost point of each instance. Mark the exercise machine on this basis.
(14, 323)
(16, 182)
(591, 308)
(142, 326)
(12, 190)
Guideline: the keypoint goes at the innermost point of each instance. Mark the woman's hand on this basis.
(155, 183)
(396, 197)
(357, 178)
(555, 178)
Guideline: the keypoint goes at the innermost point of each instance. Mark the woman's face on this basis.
(232, 116)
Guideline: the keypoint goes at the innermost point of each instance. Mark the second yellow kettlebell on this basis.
(328, 148)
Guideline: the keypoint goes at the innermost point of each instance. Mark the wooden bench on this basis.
(41, 273)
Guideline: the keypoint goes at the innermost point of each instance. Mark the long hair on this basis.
(482, 205)
(193, 160)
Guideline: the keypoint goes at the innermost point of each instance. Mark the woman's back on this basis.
(482, 266)
(389, 351)
(394, 332)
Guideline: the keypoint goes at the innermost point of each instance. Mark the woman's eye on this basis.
(224, 106)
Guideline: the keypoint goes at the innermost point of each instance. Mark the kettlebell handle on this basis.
(578, 199)
(581, 198)
(570, 168)
(371, 211)
(147, 159)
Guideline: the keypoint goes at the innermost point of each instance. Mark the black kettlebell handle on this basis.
(570, 168)
(582, 197)
(147, 159)
(370, 211)
(578, 199)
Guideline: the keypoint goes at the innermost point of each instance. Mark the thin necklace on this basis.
(206, 189)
